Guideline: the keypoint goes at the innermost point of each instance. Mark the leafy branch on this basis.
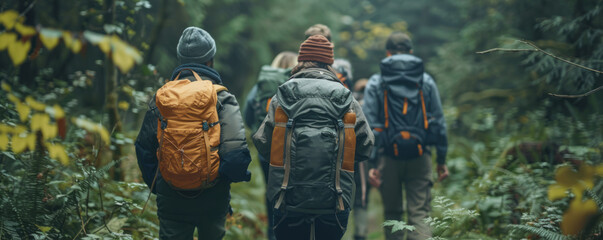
(537, 49)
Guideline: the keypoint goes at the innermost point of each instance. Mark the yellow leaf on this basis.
(43, 228)
(19, 144)
(39, 121)
(58, 152)
(557, 192)
(600, 170)
(3, 142)
(25, 30)
(121, 58)
(76, 46)
(49, 38)
(6, 87)
(6, 39)
(17, 51)
(58, 112)
(566, 176)
(105, 45)
(35, 104)
(577, 215)
(5, 128)
(50, 131)
(104, 134)
(19, 129)
(23, 111)
(123, 105)
(67, 38)
(31, 141)
(13, 98)
(9, 18)
(587, 175)
(93, 127)
(124, 55)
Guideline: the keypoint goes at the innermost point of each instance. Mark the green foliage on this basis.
(541, 232)
(398, 226)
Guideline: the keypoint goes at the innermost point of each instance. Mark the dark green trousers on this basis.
(179, 215)
(415, 176)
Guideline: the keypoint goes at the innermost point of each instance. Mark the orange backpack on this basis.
(188, 133)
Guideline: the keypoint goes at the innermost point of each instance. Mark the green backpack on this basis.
(313, 146)
(268, 81)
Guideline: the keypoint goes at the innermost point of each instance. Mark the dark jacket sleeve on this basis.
(262, 139)
(437, 134)
(249, 112)
(364, 135)
(234, 154)
(146, 148)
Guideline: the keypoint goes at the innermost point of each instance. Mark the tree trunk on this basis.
(111, 95)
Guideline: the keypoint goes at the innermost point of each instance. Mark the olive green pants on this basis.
(415, 176)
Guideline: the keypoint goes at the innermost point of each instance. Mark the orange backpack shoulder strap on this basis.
(220, 88)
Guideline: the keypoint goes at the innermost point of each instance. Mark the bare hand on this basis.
(375, 177)
(442, 172)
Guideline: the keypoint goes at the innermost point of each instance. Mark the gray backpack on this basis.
(313, 147)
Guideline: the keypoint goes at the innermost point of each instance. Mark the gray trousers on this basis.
(415, 176)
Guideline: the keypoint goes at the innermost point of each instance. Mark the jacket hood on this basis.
(402, 74)
(314, 92)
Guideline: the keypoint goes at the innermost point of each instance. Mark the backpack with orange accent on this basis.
(188, 133)
(406, 124)
(313, 147)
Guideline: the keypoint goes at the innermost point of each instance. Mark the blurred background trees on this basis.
(507, 134)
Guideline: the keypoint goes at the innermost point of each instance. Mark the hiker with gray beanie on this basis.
(191, 171)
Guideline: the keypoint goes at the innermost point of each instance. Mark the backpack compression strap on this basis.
(341, 129)
(426, 123)
(287, 163)
(385, 108)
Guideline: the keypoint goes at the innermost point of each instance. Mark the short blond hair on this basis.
(319, 29)
(286, 59)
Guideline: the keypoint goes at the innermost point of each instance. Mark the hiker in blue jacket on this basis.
(402, 106)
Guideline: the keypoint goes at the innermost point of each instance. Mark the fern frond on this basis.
(596, 198)
(398, 225)
(542, 232)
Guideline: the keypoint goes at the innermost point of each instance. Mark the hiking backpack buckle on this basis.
(163, 124)
(205, 126)
(290, 123)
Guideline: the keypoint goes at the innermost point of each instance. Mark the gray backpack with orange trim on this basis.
(313, 147)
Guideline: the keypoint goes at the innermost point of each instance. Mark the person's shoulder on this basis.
(224, 95)
(428, 81)
(374, 81)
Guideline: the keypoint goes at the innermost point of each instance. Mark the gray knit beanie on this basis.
(195, 46)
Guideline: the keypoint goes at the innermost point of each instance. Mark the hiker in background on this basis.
(258, 100)
(318, 29)
(402, 105)
(363, 187)
(313, 121)
(359, 87)
(343, 68)
(200, 153)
